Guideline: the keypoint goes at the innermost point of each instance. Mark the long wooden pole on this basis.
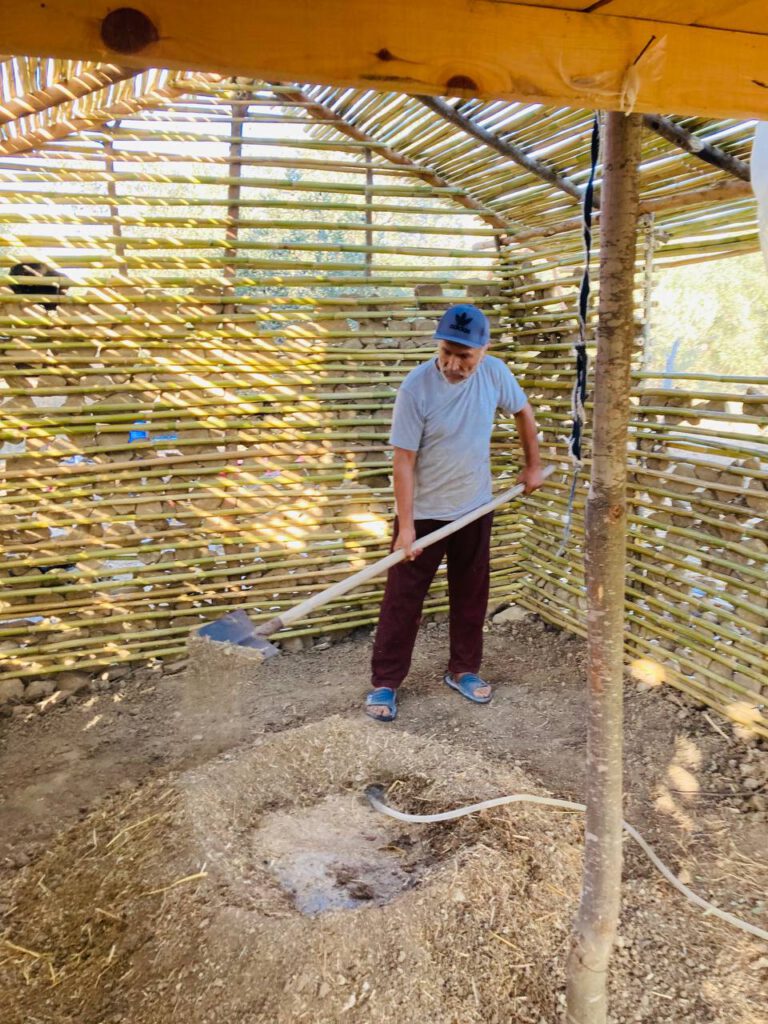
(569, 57)
(114, 206)
(300, 611)
(713, 155)
(87, 82)
(504, 146)
(127, 107)
(721, 192)
(239, 116)
(605, 558)
(368, 212)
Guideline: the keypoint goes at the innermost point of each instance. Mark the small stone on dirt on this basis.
(11, 690)
(292, 645)
(119, 671)
(38, 689)
(73, 682)
(171, 668)
(511, 614)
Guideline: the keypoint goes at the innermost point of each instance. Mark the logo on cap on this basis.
(462, 322)
(464, 325)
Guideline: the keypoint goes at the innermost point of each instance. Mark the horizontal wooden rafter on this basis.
(503, 146)
(437, 47)
(706, 151)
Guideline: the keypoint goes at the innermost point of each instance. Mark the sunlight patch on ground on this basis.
(744, 716)
(647, 672)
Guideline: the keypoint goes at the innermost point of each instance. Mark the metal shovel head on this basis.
(236, 628)
(259, 643)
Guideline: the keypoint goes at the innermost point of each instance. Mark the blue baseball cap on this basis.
(465, 325)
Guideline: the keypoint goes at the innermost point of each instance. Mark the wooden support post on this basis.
(649, 252)
(239, 116)
(605, 555)
(368, 212)
(114, 207)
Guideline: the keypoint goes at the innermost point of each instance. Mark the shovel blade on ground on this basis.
(236, 628)
(233, 628)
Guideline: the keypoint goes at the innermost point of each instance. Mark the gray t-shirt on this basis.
(450, 426)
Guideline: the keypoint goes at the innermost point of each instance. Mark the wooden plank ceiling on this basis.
(704, 58)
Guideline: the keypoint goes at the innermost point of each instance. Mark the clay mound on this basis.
(262, 888)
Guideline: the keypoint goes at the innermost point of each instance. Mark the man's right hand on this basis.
(406, 538)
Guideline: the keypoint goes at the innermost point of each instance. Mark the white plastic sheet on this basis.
(760, 182)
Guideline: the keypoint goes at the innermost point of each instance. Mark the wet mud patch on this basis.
(338, 855)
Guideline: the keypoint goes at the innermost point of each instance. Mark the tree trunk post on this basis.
(605, 553)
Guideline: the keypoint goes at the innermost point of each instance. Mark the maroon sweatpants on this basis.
(468, 556)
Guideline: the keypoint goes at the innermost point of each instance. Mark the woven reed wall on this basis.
(697, 574)
(201, 422)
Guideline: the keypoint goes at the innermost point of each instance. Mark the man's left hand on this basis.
(532, 477)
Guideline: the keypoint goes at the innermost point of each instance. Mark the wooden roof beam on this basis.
(503, 146)
(692, 144)
(89, 81)
(326, 115)
(505, 49)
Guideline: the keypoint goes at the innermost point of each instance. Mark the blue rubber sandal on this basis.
(467, 685)
(382, 697)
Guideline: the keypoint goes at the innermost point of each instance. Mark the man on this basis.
(441, 431)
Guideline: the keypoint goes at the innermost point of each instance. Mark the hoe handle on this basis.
(300, 611)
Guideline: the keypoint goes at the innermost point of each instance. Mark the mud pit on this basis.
(228, 895)
(180, 898)
(336, 855)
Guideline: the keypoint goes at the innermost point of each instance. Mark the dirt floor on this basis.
(143, 878)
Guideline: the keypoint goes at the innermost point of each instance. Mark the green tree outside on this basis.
(717, 313)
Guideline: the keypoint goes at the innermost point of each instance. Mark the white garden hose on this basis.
(375, 793)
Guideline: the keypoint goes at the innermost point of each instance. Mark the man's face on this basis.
(457, 362)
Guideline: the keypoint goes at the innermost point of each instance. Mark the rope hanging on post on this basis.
(579, 392)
